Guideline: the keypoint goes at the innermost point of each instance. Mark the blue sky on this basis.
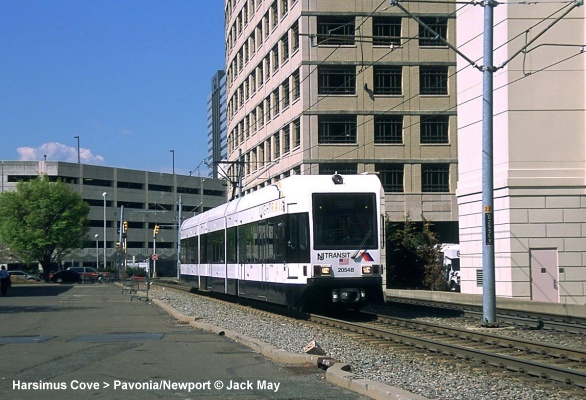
(129, 77)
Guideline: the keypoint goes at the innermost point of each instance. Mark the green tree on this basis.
(42, 221)
(430, 256)
(414, 256)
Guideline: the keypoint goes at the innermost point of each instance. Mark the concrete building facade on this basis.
(315, 87)
(539, 153)
(146, 198)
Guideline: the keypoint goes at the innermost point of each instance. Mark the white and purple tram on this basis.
(305, 240)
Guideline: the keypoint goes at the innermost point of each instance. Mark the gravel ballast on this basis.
(411, 370)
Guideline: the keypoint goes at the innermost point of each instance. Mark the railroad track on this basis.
(534, 359)
(524, 319)
(548, 362)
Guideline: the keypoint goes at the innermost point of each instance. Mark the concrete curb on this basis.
(336, 374)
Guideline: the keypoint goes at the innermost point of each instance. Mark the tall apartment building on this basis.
(217, 138)
(145, 198)
(316, 87)
(539, 152)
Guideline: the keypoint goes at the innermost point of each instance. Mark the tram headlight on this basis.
(321, 270)
(370, 269)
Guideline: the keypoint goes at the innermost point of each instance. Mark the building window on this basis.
(439, 25)
(275, 59)
(388, 80)
(277, 142)
(337, 129)
(433, 80)
(295, 36)
(286, 139)
(435, 178)
(284, 48)
(276, 102)
(386, 31)
(274, 15)
(265, 23)
(296, 133)
(267, 105)
(435, 129)
(335, 30)
(388, 129)
(336, 79)
(340, 168)
(285, 88)
(269, 151)
(284, 8)
(391, 177)
(259, 74)
(260, 115)
(295, 84)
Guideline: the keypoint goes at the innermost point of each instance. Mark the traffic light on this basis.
(117, 246)
(125, 225)
(156, 230)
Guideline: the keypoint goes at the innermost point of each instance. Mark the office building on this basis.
(317, 87)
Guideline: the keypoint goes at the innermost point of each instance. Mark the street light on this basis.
(104, 196)
(173, 153)
(97, 252)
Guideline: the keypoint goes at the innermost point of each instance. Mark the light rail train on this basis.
(304, 241)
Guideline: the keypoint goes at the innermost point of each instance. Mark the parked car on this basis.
(65, 276)
(87, 273)
(24, 275)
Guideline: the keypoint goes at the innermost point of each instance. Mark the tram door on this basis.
(544, 275)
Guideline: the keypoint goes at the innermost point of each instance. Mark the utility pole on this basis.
(179, 239)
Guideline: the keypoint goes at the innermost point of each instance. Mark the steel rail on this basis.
(517, 364)
(530, 319)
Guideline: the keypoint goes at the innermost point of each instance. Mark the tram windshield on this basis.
(344, 221)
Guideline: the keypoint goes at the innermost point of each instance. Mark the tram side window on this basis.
(231, 245)
(243, 242)
(279, 240)
(203, 253)
(261, 229)
(215, 244)
(247, 243)
(269, 244)
(189, 250)
(293, 233)
(275, 241)
(253, 254)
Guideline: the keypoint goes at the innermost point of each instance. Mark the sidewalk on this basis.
(93, 342)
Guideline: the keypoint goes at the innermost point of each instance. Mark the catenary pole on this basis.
(488, 264)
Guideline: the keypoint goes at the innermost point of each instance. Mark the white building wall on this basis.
(539, 150)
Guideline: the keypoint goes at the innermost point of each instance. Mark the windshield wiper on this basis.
(362, 244)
